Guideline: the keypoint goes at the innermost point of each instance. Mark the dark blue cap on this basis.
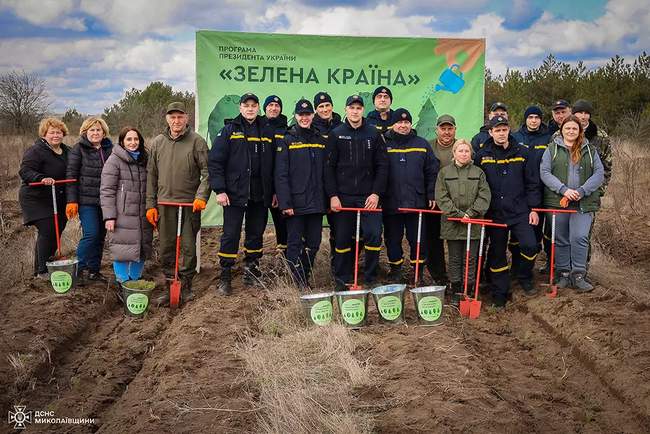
(354, 99)
(303, 106)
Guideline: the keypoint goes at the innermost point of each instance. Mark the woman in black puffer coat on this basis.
(85, 163)
(45, 162)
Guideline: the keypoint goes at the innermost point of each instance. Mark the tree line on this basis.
(619, 91)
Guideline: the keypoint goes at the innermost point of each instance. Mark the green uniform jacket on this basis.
(177, 169)
(460, 191)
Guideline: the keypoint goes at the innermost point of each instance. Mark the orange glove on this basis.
(564, 202)
(198, 205)
(152, 217)
(71, 210)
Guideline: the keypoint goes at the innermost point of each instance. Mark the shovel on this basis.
(417, 250)
(175, 286)
(465, 302)
(475, 304)
(551, 283)
(355, 285)
(56, 211)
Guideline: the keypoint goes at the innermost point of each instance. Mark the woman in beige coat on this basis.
(122, 198)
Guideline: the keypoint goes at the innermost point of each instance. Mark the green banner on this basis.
(427, 76)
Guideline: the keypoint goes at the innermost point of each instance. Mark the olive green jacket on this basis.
(459, 191)
(177, 169)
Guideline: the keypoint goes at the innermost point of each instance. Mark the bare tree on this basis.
(23, 100)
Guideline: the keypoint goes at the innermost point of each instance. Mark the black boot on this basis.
(225, 282)
(252, 274)
(186, 289)
(163, 299)
(456, 294)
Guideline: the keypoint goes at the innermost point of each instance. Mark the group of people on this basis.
(312, 166)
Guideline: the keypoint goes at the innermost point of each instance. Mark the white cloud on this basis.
(40, 12)
(106, 67)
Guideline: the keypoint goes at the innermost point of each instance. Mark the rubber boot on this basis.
(225, 282)
(163, 299)
(186, 289)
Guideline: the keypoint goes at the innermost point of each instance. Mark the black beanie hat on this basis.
(533, 110)
(382, 89)
(272, 98)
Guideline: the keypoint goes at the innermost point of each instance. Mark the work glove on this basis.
(71, 210)
(198, 205)
(152, 217)
(564, 202)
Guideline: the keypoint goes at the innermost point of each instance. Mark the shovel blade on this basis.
(553, 292)
(464, 307)
(174, 294)
(474, 309)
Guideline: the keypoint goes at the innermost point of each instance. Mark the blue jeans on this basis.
(91, 245)
(128, 270)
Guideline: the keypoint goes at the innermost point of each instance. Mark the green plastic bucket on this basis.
(429, 301)
(63, 274)
(389, 300)
(318, 308)
(353, 307)
(137, 295)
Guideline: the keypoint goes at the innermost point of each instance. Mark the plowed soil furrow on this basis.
(39, 328)
(192, 379)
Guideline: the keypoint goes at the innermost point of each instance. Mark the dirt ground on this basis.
(577, 363)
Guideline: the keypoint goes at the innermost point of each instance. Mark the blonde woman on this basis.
(462, 190)
(85, 164)
(45, 161)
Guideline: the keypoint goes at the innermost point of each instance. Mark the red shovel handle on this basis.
(427, 211)
(555, 210)
(175, 203)
(478, 222)
(359, 209)
(61, 181)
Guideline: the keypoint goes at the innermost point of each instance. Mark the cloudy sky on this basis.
(91, 51)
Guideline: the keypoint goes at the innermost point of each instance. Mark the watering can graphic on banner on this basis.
(451, 79)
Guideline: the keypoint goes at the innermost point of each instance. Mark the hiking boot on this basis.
(395, 274)
(225, 282)
(528, 287)
(580, 284)
(96, 276)
(81, 278)
(564, 281)
(43, 276)
(252, 275)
